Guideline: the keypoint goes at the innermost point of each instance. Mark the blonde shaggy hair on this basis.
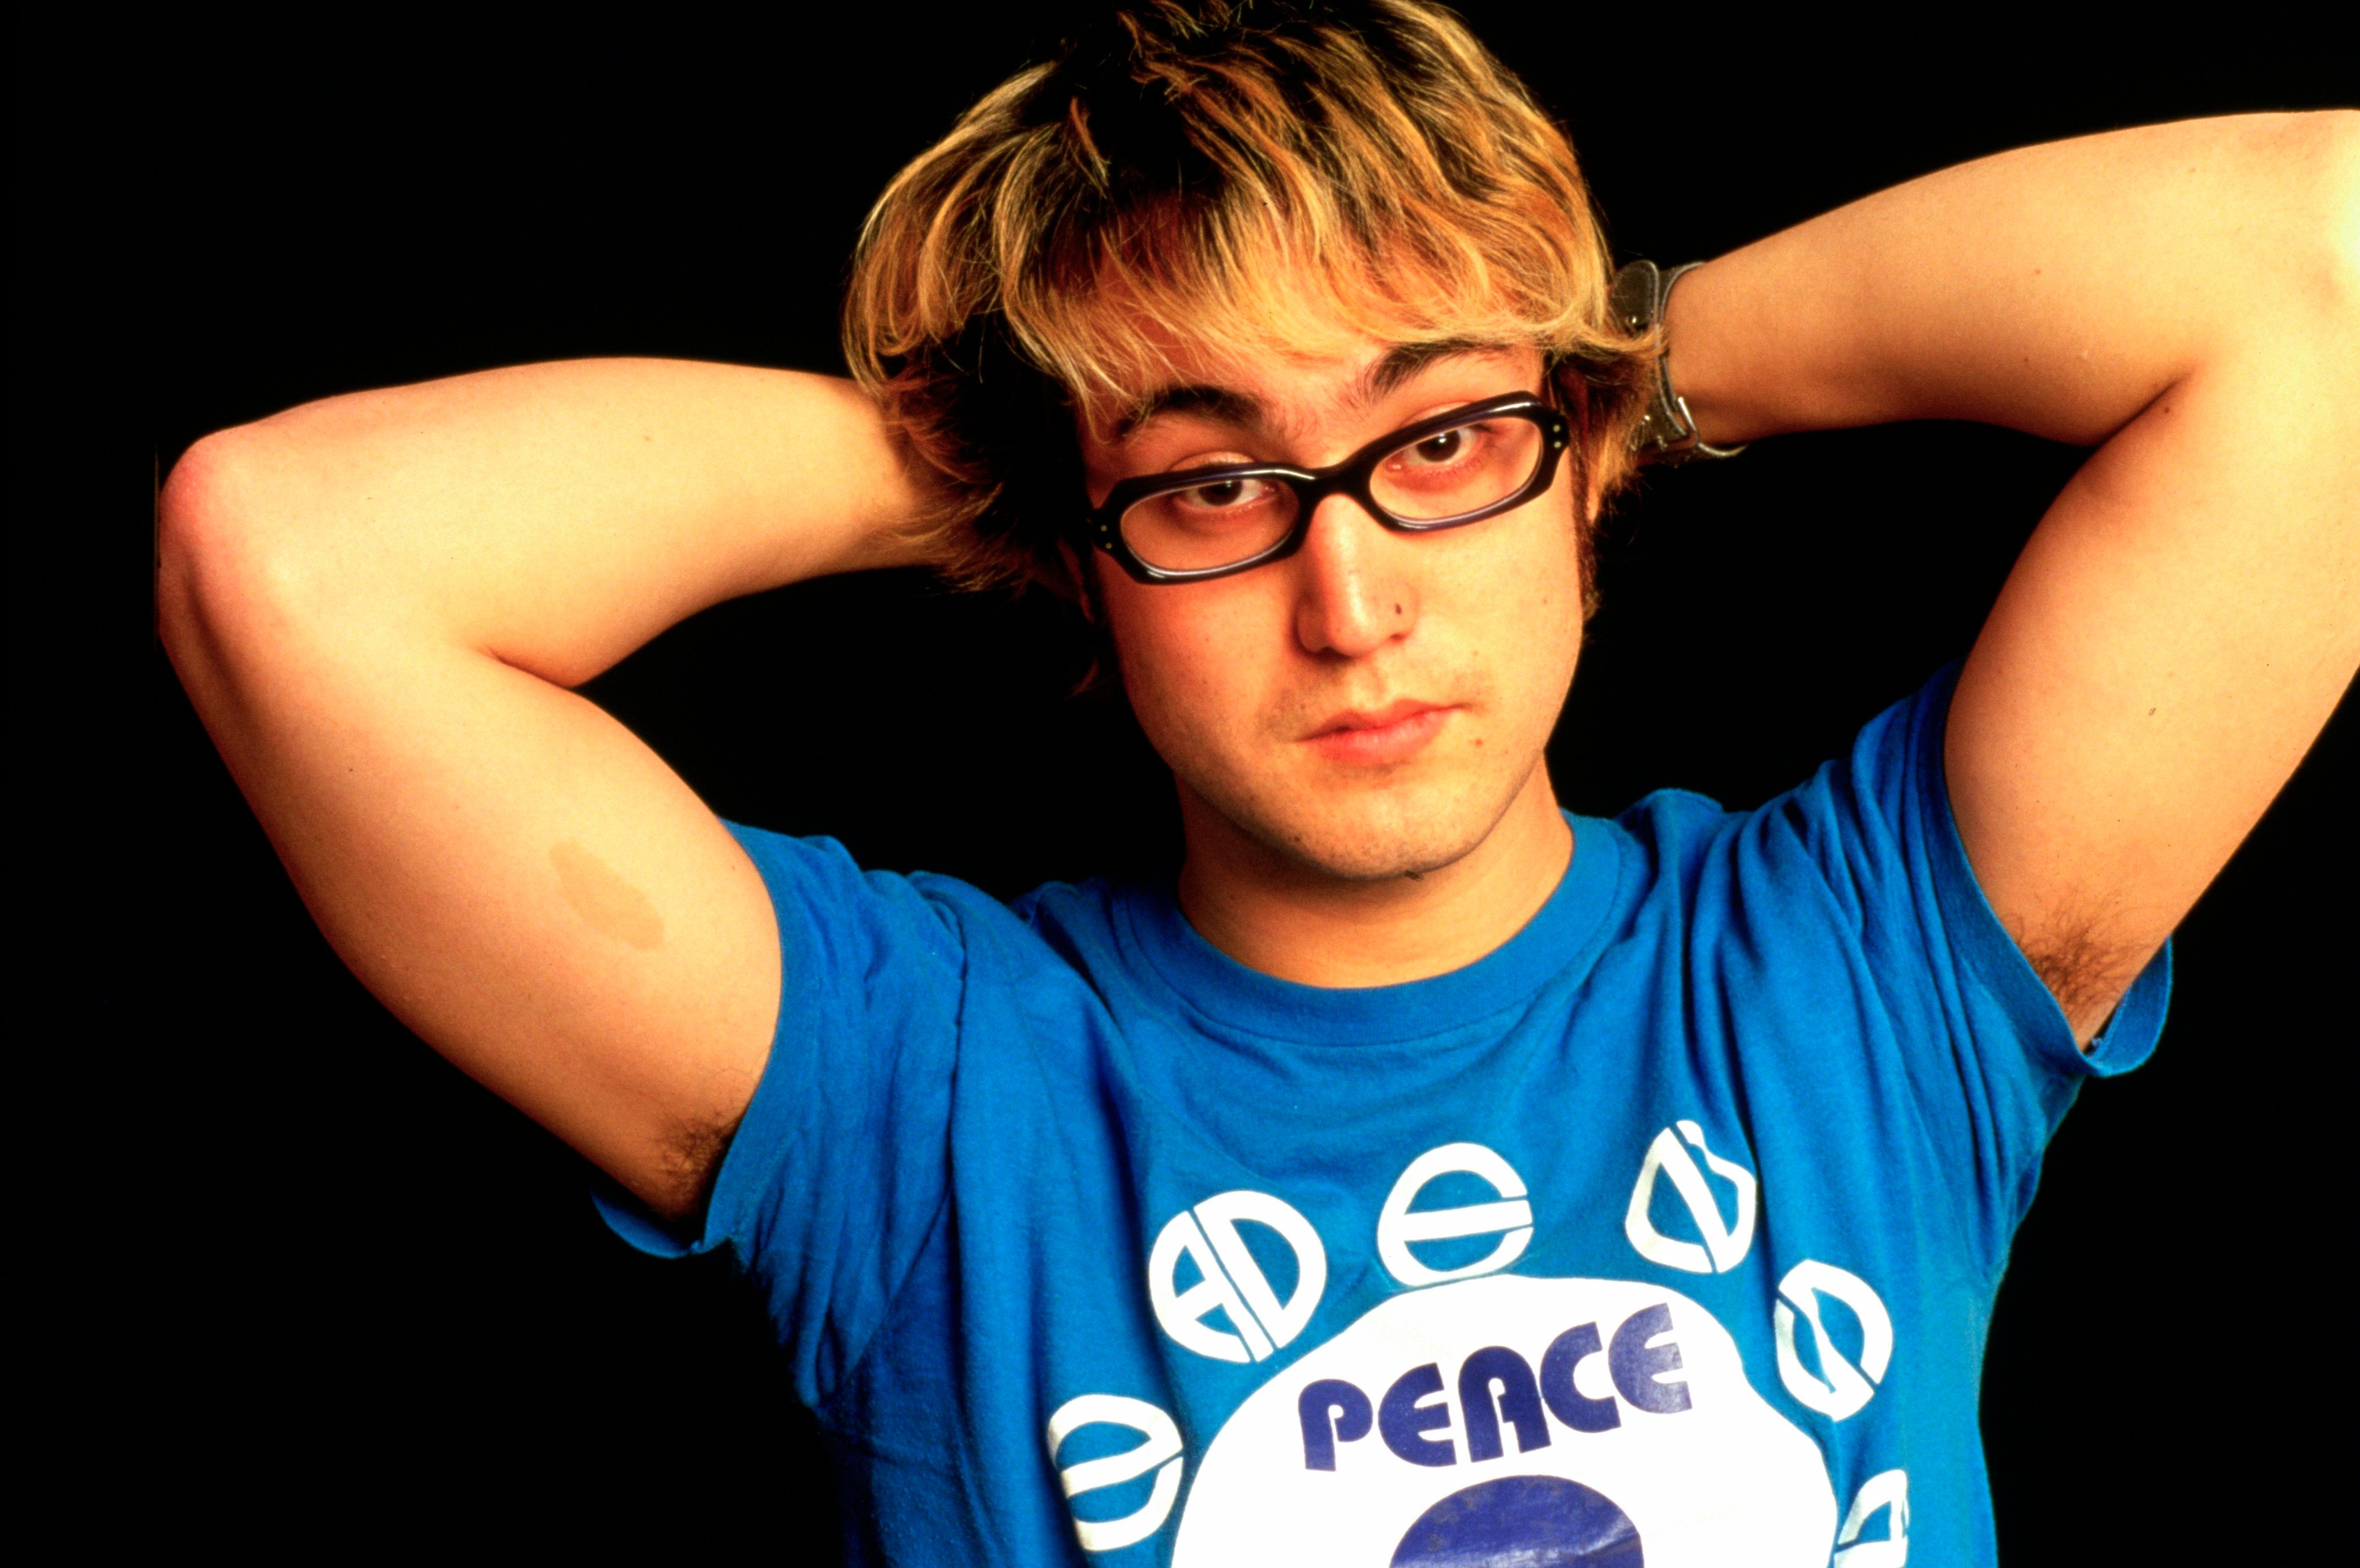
(1253, 177)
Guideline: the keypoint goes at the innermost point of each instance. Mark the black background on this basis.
(305, 1282)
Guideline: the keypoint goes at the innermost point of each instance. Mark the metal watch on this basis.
(1667, 434)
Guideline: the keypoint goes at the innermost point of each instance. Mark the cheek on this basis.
(1187, 653)
(1523, 629)
(1522, 587)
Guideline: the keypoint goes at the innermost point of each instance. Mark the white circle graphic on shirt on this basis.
(1575, 1421)
(1724, 1245)
(1161, 1447)
(1839, 1389)
(1229, 1279)
(1398, 1224)
(1889, 1490)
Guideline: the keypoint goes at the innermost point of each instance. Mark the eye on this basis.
(1460, 444)
(1458, 471)
(1221, 494)
(1440, 448)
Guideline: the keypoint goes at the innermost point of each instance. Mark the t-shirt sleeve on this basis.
(839, 1169)
(1987, 1053)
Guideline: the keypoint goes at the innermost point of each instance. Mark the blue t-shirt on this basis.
(1667, 1232)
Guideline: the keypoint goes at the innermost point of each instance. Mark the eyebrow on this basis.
(1407, 360)
(1220, 404)
(1225, 405)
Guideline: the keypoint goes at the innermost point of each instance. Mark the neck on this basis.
(1295, 921)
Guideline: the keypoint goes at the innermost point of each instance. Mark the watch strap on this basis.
(1667, 434)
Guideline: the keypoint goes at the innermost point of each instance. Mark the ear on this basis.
(1082, 573)
(1104, 672)
(1569, 389)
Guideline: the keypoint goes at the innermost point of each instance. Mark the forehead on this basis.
(1283, 390)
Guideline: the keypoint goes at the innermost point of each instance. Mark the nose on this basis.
(1354, 594)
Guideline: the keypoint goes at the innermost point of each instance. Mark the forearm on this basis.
(2056, 289)
(552, 516)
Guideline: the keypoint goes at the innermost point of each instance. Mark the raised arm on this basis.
(378, 604)
(2186, 299)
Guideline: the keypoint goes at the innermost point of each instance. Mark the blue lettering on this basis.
(1568, 1403)
(1332, 1411)
(1634, 1365)
(1400, 1419)
(1519, 1402)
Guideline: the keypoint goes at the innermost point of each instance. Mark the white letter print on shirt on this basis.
(1841, 1390)
(1397, 1226)
(1161, 1446)
(1724, 1246)
(1233, 1282)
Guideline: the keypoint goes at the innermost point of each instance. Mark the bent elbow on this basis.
(231, 560)
(198, 540)
(199, 495)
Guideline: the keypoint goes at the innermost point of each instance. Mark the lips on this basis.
(1376, 738)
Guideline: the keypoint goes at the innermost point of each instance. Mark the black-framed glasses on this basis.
(1455, 468)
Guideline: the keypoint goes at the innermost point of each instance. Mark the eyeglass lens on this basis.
(1448, 474)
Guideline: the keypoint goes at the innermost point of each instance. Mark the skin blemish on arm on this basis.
(600, 896)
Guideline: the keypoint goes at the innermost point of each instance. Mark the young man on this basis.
(1430, 1176)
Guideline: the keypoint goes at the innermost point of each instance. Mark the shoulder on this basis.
(824, 896)
(1869, 828)
(1674, 826)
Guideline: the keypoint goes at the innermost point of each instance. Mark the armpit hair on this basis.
(2085, 969)
(693, 1155)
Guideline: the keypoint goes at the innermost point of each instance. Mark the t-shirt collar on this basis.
(1562, 940)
